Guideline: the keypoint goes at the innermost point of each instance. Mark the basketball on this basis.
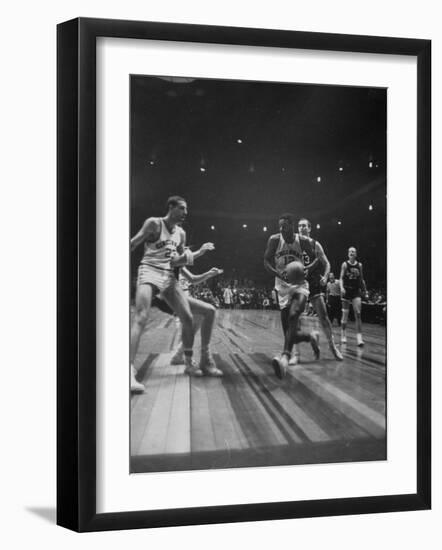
(295, 273)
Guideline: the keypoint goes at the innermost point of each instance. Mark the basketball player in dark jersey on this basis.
(283, 248)
(352, 289)
(317, 275)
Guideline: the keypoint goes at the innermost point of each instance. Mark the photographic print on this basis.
(222, 236)
(258, 267)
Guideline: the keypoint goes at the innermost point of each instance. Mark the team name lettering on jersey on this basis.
(162, 244)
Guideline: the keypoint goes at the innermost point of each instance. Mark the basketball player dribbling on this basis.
(317, 280)
(283, 248)
(352, 288)
(164, 249)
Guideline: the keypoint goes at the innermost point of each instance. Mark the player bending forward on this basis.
(204, 319)
(282, 249)
(164, 249)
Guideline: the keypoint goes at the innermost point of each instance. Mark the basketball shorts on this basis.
(286, 292)
(315, 287)
(159, 278)
(351, 294)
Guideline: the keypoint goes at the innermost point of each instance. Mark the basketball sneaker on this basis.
(294, 360)
(192, 369)
(208, 367)
(336, 353)
(280, 365)
(296, 356)
(178, 358)
(314, 342)
(135, 386)
(359, 340)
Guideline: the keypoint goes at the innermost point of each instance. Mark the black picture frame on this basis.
(76, 274)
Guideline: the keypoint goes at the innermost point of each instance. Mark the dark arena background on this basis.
(241, 153)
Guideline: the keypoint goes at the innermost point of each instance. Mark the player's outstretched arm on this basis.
(186, 257)
(197, 279)
(149, 230)
(206, 247)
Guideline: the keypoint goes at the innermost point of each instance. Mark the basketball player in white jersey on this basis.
(164, 249)
(352, 288)
(283, 248)
(317, 280)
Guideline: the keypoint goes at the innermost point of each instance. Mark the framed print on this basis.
(243, 274)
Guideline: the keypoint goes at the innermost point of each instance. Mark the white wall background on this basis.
(27, 272)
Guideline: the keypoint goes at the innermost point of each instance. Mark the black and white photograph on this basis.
(258, 299)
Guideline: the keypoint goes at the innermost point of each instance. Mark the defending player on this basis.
(283, 248)
(164, 249)
(317, 275)
(352, 288)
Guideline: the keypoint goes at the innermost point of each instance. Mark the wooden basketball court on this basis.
(323, 411)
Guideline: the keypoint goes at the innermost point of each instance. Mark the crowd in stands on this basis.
(246, 294)
(236, 294)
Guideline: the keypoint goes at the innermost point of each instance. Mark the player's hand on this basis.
(215, 271)
(342, 292)
(173, 257)
(323, 280)
(206, 247)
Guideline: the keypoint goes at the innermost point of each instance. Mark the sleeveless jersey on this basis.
(308, 246)
(352, 277)
(287, 252)
(157, 254)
